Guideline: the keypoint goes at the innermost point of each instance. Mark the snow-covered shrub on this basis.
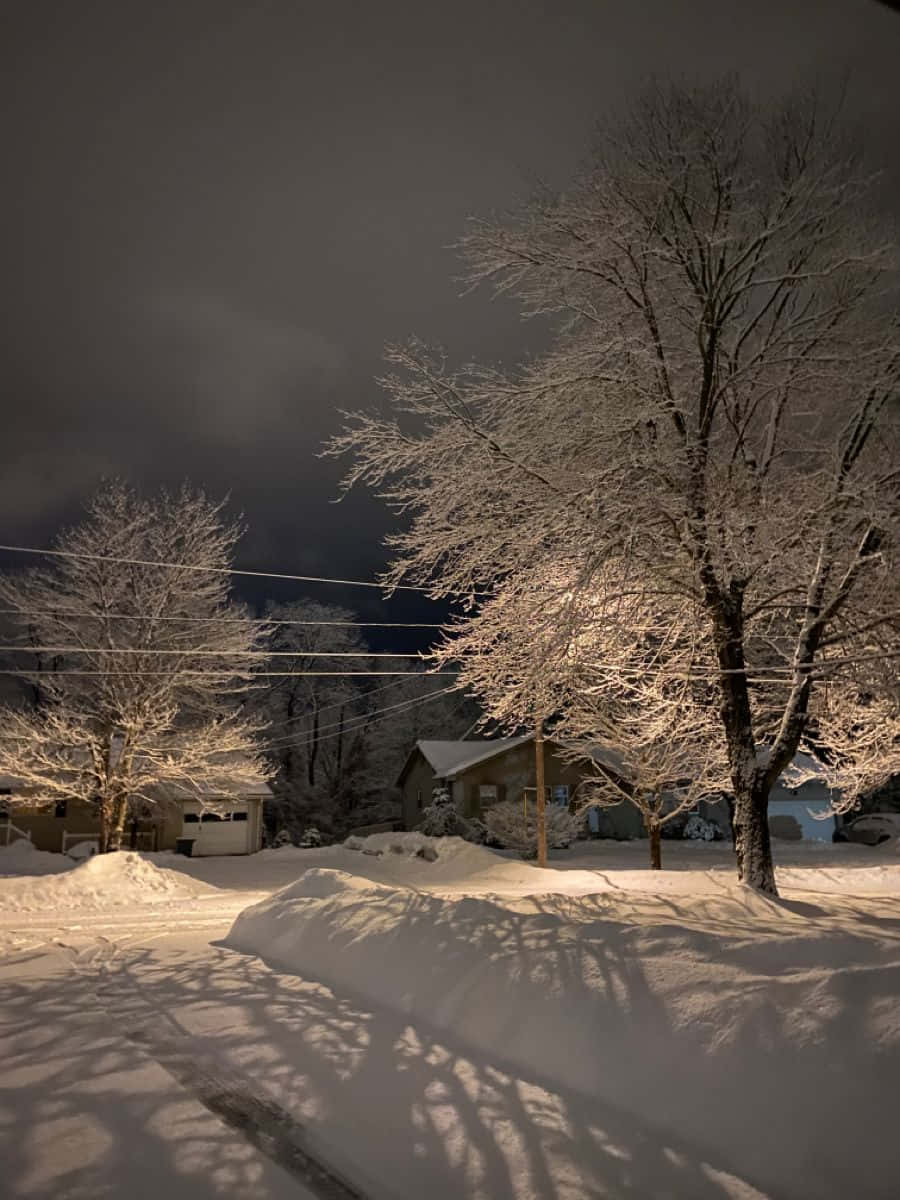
(697, 828)
(478, 833)
(440, 818)
(282, 838)
(514, 826)
(311, 838)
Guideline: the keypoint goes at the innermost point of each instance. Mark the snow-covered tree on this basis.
(716, 422)
(642, 713)
(629, 684)
(151, 659)
(440, 818)
(317, 744)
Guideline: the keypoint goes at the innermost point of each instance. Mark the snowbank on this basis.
(106, 881)
(718, 1010)
(21, 858)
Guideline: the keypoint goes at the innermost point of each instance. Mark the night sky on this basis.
(215, 214)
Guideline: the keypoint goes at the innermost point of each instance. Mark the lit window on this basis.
(561, 794)
(487, 794)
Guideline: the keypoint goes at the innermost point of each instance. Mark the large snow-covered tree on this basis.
(715, 423)
(151, 657)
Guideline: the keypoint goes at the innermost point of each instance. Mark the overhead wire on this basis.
(144, 562)
(25, 672)
(190, 652)
(375, 720)
(356, 721)
(214, 620)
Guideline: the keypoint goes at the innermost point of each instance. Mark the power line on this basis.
(25, 673)
(62, 612)
(358, 721)
(205, 653)
(353, 699)
(143, 562)
(375, 720)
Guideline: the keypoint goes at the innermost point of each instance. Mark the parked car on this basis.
(871, 829)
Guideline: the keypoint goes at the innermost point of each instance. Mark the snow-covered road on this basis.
(141, 1056)
(148, 1065)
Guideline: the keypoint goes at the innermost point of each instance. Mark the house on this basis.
(483, 772)
(221, 817)
(480, 773)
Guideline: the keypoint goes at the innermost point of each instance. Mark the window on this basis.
(191, 818)
(561, 794)
(487, 794)
(60, 808)
(239, 816)
(212, 816)
(419, 799)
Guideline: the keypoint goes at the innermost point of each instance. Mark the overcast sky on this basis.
(216, 213)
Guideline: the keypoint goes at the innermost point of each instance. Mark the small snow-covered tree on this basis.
(717, 420)
(440, 818)
(151, 656)
(643, 711)
(630, 684)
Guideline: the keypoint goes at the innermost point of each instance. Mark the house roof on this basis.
(449, 759)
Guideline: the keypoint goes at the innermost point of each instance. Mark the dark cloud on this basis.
(216, 213)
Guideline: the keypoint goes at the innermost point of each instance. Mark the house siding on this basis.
(511, 773)
(419, 778)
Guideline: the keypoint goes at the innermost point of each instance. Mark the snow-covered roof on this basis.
(448, 759)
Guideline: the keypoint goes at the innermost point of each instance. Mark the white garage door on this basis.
(225, 831)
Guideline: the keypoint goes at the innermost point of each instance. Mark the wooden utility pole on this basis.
(539, 797)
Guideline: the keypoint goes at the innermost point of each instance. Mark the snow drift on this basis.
(761, 1024)
(106, 881)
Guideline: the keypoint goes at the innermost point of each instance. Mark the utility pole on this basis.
(539, 797)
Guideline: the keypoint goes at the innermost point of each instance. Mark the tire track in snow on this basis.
(260, 1119)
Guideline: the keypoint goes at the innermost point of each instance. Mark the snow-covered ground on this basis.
(464, 1027)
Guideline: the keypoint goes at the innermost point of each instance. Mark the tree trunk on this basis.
(751, 837)
(750, 818)
(655, 834)
(103, 839)
(117, 823)
(313, 750)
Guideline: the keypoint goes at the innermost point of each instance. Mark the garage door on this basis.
(225, 831)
